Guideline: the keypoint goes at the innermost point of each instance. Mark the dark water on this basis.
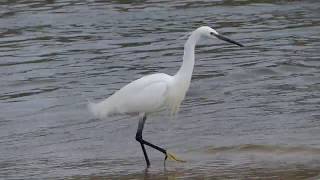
(251, 113)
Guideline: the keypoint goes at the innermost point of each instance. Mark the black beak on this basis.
(228, 40)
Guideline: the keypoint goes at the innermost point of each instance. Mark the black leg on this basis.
(145, 154)
(143, 142)
(139, 138)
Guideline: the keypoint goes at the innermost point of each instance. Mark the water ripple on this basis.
(251, 112)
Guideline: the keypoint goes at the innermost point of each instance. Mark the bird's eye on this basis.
(211, 33)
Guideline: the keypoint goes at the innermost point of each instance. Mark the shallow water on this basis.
(250, 113)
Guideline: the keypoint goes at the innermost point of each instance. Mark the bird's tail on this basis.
(99, 110)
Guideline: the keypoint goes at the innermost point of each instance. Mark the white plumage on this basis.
(146, 93)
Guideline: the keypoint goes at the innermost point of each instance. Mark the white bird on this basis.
(155, 92)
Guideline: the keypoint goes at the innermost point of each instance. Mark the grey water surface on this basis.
(250, 113)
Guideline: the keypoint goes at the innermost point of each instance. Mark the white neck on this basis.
(185, 71)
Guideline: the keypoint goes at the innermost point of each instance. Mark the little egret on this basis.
(156, 92)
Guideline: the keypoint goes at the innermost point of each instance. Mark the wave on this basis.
(262, 148)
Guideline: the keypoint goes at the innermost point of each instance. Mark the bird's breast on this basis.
(176, 95)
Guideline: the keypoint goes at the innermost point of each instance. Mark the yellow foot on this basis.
(173, 157)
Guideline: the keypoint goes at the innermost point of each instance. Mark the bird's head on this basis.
(206, 32)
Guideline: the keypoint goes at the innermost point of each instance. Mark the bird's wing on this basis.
(148, 98)
(145, 95)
